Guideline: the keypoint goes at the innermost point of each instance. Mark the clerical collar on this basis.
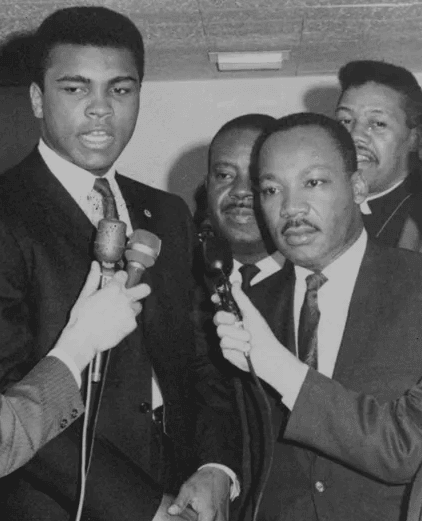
(364, 207)
(77, 181)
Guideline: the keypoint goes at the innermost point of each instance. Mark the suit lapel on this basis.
(357, 332)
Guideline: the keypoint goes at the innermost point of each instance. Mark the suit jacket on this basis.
(379, 355)
(396, 218)
(35, 410)
(45, 254)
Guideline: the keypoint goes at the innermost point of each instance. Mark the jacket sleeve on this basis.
(383, 440)
(35, 410)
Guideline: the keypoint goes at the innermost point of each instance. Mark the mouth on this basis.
(97, 139)
(299, 235)
(365, 157)
(240, 214)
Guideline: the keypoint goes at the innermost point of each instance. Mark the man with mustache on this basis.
(87, 66)
(231, 202)
(352, 313)
(381, 106)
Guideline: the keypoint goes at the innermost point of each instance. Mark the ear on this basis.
(36, 96)
(360, 187)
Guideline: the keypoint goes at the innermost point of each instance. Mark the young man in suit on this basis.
(87, 73)
(48, 399)
(381, 106)
(352, 313)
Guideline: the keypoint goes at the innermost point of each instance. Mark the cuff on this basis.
(235, 485)
(69, 362)
(293, 385)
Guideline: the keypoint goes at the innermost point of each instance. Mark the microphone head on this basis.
(217, 256)
(110, 241)
(143, 248)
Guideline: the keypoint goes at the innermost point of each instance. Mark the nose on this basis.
(360, 132)
(293, 205)
(241, 188)
(99, 106)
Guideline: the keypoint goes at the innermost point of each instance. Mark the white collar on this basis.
(364, 207)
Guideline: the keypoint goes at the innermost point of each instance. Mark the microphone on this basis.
(141, 252)
(109, 246)
(218, 259)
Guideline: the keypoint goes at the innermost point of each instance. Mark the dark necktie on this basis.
(248, 272)
(102, 186)
(309, 319)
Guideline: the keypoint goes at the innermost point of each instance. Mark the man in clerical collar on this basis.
(381, 105)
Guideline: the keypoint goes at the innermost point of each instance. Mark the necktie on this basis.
(309, 319)
(248, 272)
(102, 186)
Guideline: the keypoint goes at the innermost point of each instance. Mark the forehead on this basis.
(300, 148)
(373, 96)
(234, 142)
(90, 61)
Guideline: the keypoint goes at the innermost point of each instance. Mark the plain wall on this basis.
(176, 122)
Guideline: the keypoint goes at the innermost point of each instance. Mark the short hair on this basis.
(253, 121)
(360, 72)
(85, 26)
(335, 130)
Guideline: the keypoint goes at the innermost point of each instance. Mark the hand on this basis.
(163, 515)
(207, 492)
(272, 362)
(100, 319)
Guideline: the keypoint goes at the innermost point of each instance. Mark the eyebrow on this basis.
(373, 111)
(82, 79)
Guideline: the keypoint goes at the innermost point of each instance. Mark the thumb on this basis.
(245, 305)
(92, 281)
(179, 504)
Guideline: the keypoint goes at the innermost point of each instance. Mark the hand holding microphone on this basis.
(100, 318)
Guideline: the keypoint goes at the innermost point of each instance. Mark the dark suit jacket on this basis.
(45, 253)
(35, 410)
(396, 218)
(379, 355)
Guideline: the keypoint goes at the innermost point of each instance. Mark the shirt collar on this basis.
(274, 261)
(348, 263)
(364, 207)
(77, 181)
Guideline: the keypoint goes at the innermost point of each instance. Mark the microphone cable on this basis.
(218, 261)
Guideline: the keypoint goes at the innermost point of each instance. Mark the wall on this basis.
(176, 122)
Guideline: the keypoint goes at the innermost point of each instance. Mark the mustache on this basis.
(366, 151)
(297, 223)
(231, 205)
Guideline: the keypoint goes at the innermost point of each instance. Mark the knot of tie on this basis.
(102, 186)
(315, 280)
(248, 272)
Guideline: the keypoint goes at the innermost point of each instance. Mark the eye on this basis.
(267, 191)
(313, 183)
(70, 89)
(121, 91)
(377, 124)
(222, 175)
(344, 120)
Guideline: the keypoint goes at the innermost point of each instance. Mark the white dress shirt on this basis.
(333, 301)
(79, 183)
(268, 266)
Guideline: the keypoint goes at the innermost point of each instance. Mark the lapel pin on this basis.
(147, 213)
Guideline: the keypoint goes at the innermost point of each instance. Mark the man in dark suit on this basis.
(351, 313)
(87, 73)
(381, 106)
(48, 399)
